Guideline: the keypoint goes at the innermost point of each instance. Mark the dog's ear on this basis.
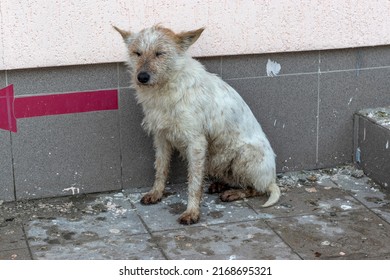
(186, 39)
(125, 34)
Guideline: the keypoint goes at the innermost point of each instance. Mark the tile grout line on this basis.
(263, 77)
(150, 232)
(6, 77)
(11, 151)
(148, 229)
(309, 73)
(220, 66)
(370, 209)
(284, 241)
(318, 106)
(120, 128)
(65, 92)
(27, 243)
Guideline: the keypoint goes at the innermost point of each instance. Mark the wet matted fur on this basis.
(196, 112)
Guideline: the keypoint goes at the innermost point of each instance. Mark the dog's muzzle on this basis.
(143, 77)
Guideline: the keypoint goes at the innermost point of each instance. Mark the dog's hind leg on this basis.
(163, 157)
(196, 155)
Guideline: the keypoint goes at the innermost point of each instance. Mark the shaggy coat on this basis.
(188, 109)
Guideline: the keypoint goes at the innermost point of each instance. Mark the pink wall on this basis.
(40, 33)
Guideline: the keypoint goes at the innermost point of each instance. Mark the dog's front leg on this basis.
(161, 164)
(196, 155)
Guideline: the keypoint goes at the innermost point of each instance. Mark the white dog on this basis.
(188, 109)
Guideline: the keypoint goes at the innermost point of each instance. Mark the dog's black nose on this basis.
(143, 77)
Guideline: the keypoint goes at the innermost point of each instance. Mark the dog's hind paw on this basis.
(150, 198)
(236, 194)
(217, 187)
(231, 195)
(189, 218)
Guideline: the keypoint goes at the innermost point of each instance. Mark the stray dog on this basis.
(188, 109)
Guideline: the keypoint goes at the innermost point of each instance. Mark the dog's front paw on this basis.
(189, 217)
(150, 198)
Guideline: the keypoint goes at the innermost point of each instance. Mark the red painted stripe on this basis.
(7, 117)
(65, 103)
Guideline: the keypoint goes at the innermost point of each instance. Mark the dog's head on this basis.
(155, 53)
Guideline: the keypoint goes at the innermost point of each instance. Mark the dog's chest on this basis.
(169, 121)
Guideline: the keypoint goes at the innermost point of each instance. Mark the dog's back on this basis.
(236, 141)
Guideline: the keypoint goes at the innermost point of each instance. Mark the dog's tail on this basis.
(274, 195)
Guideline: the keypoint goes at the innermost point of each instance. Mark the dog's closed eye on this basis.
(159, 53)
(137, 53)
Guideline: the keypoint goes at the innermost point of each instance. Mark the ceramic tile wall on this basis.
(304, 101)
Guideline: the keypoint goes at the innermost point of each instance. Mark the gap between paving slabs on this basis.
(116, 225)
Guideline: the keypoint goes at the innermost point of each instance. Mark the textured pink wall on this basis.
(39, 33)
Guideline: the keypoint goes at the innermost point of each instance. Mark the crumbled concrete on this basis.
(336, 213)
(381, 116)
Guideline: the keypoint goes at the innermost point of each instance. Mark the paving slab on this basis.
(16, 254)
(313, 199)
(383, 212)
(107, 227)
(344, 235)
(174, 202)
(243, 240)
(335, 213)
(90, 246)
(13, 245)
(12, 237)
(364, 190)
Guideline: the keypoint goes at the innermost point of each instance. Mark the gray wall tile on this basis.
(137, 147)
(2, 79)
(6, 173)
(286, 107)
(212, 64)
(52, 154)
(358, 58)
(123, 75)
(243, 66)
(64, 79)
(345, 59)
(341, 95)
(375, 56)
(6, 176)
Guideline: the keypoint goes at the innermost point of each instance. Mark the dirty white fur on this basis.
(188, 109)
